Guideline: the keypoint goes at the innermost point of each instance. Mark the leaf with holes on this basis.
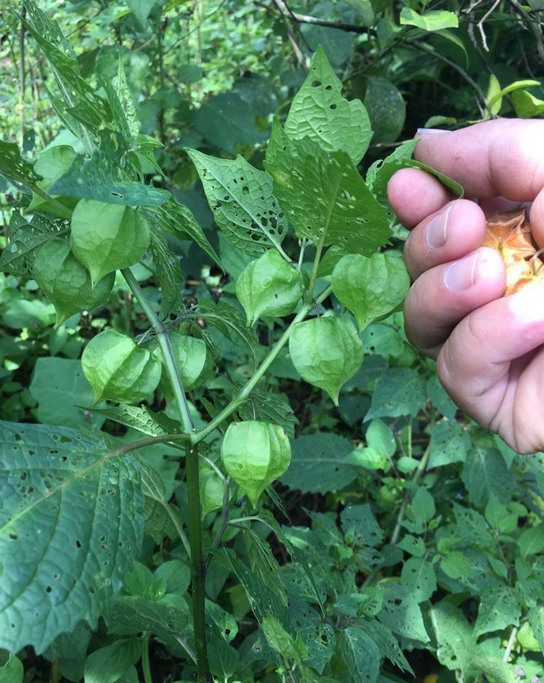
(168, 273)
(370, 288)
(229, 321)
(360, 527)
(419, 578)
(66, 498)
(321, 113)
(360, 654)
(242, 202)
(324, 196)
(318, 637)
(485, 474)
(320, 463)
(14, 166)
(401, 613)
(169, 621)
(499, 607)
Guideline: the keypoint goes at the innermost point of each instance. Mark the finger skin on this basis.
(414, 194)
(432, 309)
(464, 231)
(488, 365)
(490, 159)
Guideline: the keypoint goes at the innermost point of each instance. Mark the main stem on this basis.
(198, 572)
(198, 569)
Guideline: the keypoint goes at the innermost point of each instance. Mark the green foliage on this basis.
(401, 540)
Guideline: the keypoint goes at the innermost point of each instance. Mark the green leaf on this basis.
(398, 391)
(320, 464)
(177, 220)
(450, 443)
(100, 179)
(418, 578)
(453, 635)
(51, 165)
(226, 121)
(485, 474)
(499, 607)
(24, 239)
(401, 613)
(435, 20)
(14, 166)
(527, 105)
(61, 492)
(242, 202)
(107, 237)
(168, 274)
(59, 386)
(493, 95)
(422, 507)
(176, 574)
(441, 399)
(360, 654)
(269, 407)
(326, 352)
(142, 9)
(118, 369)
(224, 659)
(12, 671)
(255, 454)
(66, 282)
(141, 418)
(110, 663)
(387, 643)
(381, 439)
(228, 320)
(160, 518)
(319, 111)
(496, 98)
(278, 638)
(386, 108)
(318, 637)
(360, 527)
(401, 153)
(456, 566)
(324, 196)
(536, 619)
(269, 287)
(370, 287)
(531, 541)
(194, 362)
(168, 620)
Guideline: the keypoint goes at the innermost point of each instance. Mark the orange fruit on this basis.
(509, 232)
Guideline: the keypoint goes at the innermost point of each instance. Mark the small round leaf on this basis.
(66, 282)
(269, 286)
(118, 369)
(326, 352)
(255, 454)
(108, 237)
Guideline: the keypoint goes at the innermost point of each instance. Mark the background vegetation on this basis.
(403, 542)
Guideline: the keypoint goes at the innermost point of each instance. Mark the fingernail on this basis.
(435, 234)
(431, 131)
(462, 274)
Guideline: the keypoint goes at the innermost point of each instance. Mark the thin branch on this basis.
(534, 27)
(306, 19)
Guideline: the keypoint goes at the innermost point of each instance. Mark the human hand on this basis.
(488, 348)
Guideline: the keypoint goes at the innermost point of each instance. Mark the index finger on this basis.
(501, 157)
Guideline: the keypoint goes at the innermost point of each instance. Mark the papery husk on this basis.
(509, 232)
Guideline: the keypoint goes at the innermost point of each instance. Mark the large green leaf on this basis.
(14, 166)
(12, 671)
(60, 388)
(485, 474)
(70, 525)
(242, 202)
(319, 464)
(168, 620)
(319, 637)
(401, 613)
(360, 654)
(435, 20)
(386, 108)
(324, 196)
(499, 607)
(398, 391)
(453, 635)
(226, 120)
(321, 113)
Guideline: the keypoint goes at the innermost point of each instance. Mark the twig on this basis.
(534, 27)
(306, 19)
(22, 74)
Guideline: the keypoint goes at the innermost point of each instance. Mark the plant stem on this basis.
(313, 277)
(417, 476)
(22, 74)
(167, 352)
(198, 569)
(55, 672)
(263, 367)
(146, 667)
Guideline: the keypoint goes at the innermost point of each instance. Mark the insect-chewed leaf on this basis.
(107, 237)
(242, 202)
(80, 512)
(194, 361)
(321, 113)
(361, 655)
(118, 370)
(324, 196)
(326, 352)
(255, 454)
(269, 286)
(13, 165)
(370, 287)
(66, 282)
